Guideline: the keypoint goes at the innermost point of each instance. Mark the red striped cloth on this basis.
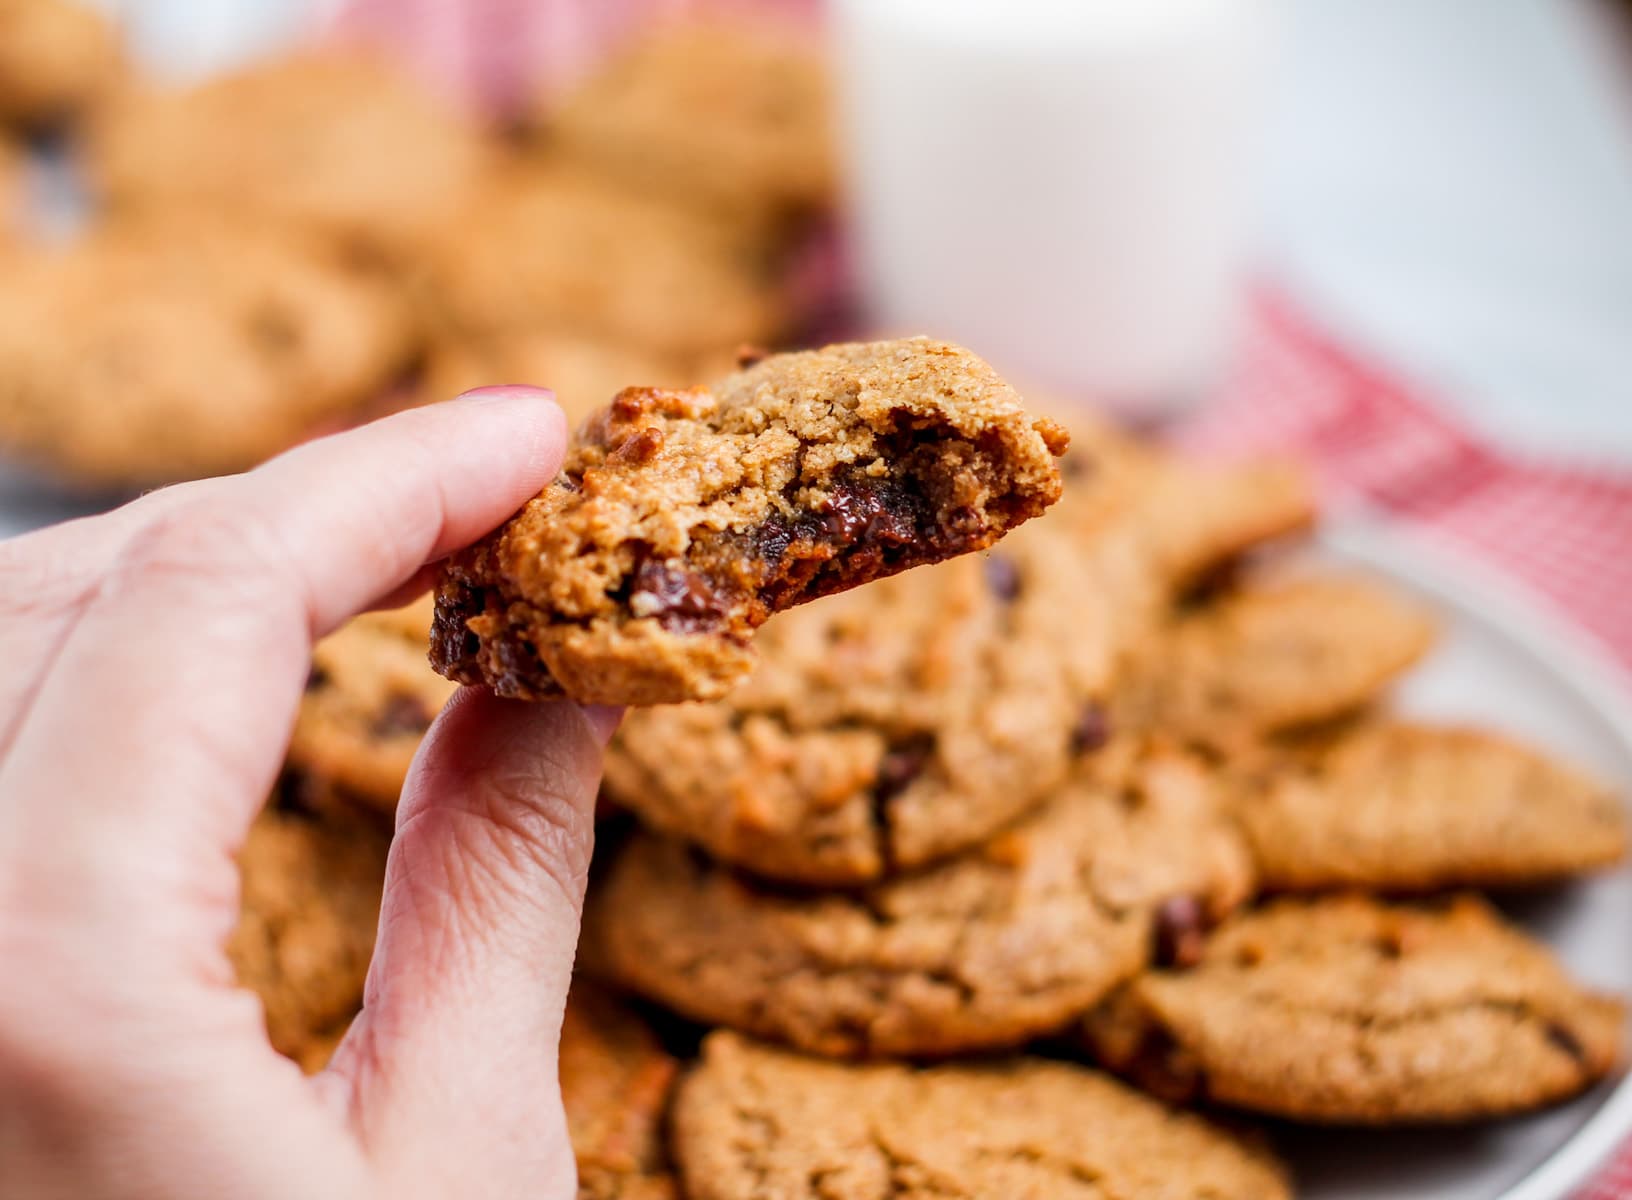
(1563, 530)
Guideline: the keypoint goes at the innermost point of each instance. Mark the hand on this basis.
(153, 661)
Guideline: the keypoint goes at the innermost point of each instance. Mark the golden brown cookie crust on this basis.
(1349, 1010)
(909, 720)
(753, 1122)
(1005, 943)
(1398, 806)
(682, 520)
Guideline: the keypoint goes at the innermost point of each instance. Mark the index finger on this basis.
(185, 670)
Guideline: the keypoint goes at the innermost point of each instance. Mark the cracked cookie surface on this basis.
(682, 520)
(369, 699)
(1394, 805)
(1350, 1010)
(892, 726)
(616, 1080)
(752, 1122)
(311, 872)
(1007, 942)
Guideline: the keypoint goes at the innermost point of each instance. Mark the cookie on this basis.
(1349, 1010)
(151, 351)
(1399, 806)
(682, 520)
(369, 699)
(56, 57)
(547, 245)
(616, 1080)
(1273, 655)
(909, 720)
(732, 120)
(753, 1122)
(312, 871)
(584, 371)
(1008, 942)
(345, 144)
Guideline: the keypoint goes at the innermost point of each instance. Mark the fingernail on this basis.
(504, 392)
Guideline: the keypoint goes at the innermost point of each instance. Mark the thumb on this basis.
(454, 1062)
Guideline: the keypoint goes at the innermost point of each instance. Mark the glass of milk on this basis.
(1063, 185)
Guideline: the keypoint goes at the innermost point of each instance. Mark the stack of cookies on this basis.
(1032, 867)
(312, 241)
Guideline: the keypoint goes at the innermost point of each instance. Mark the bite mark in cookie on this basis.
(683, 519)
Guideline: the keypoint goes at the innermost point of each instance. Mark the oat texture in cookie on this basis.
(369, 699)
(903, 722)
(753, 1122)
(1350, 1010)
(682, 520)
(1404, 806)
(734, 121)
(312, 871)
(346, 144)
(616, 1080)
(1004, 943)
(56, 57)
(154, 350)
(553, 245)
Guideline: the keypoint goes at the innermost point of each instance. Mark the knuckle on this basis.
(214, 544)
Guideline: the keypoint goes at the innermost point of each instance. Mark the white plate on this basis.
(1506, 661)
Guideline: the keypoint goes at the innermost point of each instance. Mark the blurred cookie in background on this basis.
(1349, 1010)
(753, 1122)
(733, 120)
(559, 247)
(152, 350)
(312, 871)
(370, 697)
(344, 143)
(1395, 805)
(584, 370)
(56, 58)
(616, 1085)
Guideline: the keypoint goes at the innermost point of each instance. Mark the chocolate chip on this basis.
(683, 601)
(1566, 1041)
(901, 765)
(1092, 730)
(856, 511)
(315, 678)
(1181, 932)
(748, 356)
(402, 713)
(1003, 577)
(296, 791)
